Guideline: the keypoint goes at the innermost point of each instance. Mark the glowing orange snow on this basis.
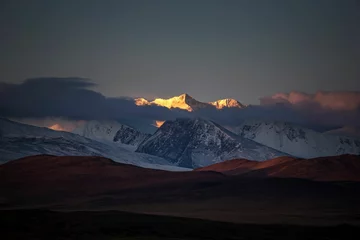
(226, 103)
(158, 123)
(141, 102)
(174, 102)
(57, 127)
(186, 102)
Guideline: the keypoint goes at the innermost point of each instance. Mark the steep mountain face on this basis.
(98, 130)
(20, 140)
(197, 142)
(130, 136)
(184, 101)
(227, 103)
(111, 131)
(296, 140)
(188, 103)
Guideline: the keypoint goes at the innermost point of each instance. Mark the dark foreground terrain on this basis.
(48, 197)
(95, 183)
(42, 224)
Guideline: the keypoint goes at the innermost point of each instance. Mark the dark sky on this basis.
(209, 49)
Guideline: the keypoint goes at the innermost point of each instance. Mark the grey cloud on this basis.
(71, 98)
(336, 108)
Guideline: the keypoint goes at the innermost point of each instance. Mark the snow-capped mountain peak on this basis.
(141, 102)
(183, 101)
(296, 140)
(130, 136)
(227, 103)
(198, 142)
(188, 103)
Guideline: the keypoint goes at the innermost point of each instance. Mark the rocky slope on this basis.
(198, 142)
(21, 140)
(111, 131)
(296, 140)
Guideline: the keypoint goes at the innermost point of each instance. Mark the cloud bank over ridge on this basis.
(338, 101)
(72, 98)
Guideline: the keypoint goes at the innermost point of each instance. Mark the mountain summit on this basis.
(227, 103)
(188, 103)
(193, 143)
(184, 101)
(296, 140)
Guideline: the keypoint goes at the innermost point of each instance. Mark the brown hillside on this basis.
(334, 168)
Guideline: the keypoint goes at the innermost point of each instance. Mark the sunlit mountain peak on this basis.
(158, 123)
(185, 96)
(227, 103)
(174, 102)
(141, 101)
(188, 103)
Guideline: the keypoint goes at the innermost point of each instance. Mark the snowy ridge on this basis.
(188, 103)
(21, 140)
(130, 136)
(227, 103)
(184, 101)
(98, 130)
(111, 131)
(296, 140)
(197, 142)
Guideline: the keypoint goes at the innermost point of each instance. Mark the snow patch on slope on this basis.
(111, 132)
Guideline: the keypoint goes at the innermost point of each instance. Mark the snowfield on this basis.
(296, 140)
(19, 140)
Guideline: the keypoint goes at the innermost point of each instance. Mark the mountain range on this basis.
(184, 142)
(296, 140)
(197, 142)
(255, 172)
(190, 142)
(20, 140)
(188, 103)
